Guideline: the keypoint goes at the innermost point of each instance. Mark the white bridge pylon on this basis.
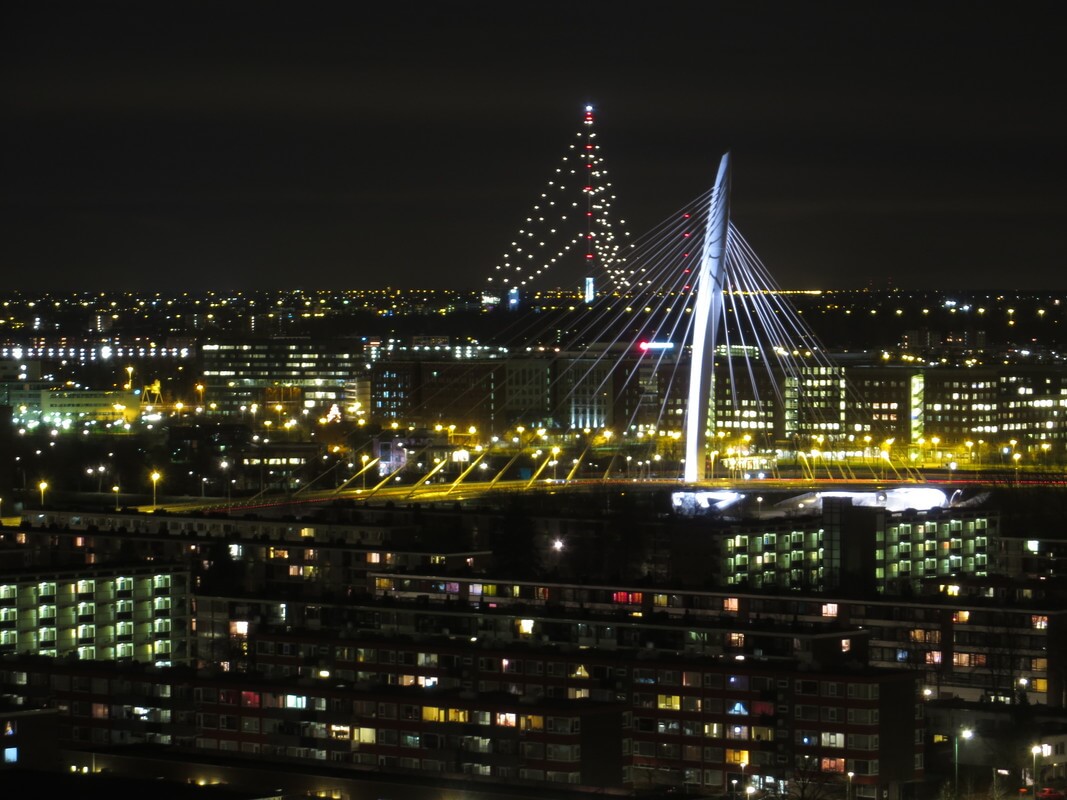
(707, 316)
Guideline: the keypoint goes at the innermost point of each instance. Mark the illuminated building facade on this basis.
(436, 706)
(242, 372)
(136, 614)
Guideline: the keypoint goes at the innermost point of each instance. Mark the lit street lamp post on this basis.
(1035, 751)
(42, 486)
(155, 476)
(966, 733)
(115, 489)
(225, 465)
(850, 776)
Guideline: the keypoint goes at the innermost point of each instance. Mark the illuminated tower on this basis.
(570, 226)
(706, 316)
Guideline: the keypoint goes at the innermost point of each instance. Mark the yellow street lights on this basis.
(364, 458)
(155, 476)
(129, 379)
(42, 486)
(115, 489)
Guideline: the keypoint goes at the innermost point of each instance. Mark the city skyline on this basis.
(215, 150)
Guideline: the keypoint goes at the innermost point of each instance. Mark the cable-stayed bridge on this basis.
(686, 319)
(676, 358)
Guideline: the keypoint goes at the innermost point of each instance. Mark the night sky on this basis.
(168, 146)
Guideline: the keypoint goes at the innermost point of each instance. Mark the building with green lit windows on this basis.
(108, 614)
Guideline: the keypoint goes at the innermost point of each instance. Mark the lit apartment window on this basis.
(829, 609)
(668, 702)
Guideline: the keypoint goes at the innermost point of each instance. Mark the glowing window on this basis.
(669, 702)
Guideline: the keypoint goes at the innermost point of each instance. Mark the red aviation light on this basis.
(589, 255)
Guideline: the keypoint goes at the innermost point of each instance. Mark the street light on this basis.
(155, 476)
(115, 489)
(1035, 751)
(966, 733)
(364, 458)
(850, 776)
(734, 792)
(42, 486)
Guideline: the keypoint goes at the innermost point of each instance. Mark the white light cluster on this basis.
(554, 228)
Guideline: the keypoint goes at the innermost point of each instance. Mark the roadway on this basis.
(430, 491)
